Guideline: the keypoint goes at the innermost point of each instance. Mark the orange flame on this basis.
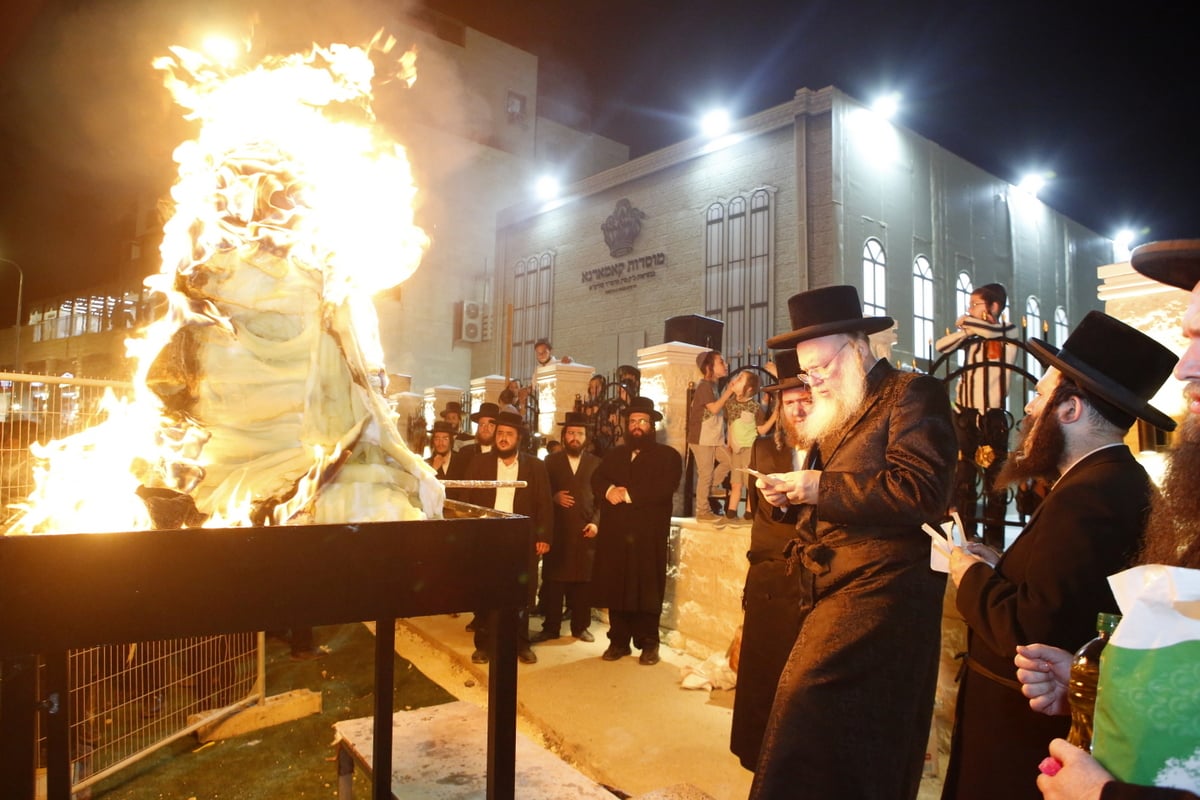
(257, 393)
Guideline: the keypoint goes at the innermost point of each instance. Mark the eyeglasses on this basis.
(978, 303)
(643, 423)
(821, 373)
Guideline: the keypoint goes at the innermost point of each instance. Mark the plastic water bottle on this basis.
(1081, 688)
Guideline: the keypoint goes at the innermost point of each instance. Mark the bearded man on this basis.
(505, 462)
(852, 709)
(1172, 538)
(774, 596)
(567, 568)
(1052, 582)
(637, 480)
(445, 462)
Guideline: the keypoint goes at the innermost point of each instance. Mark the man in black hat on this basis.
(567, 568)
(774, 595)
(452, 414)
(1172, 538)
(852, 709)
(1052, 581)
(446, 463)
(506, 462)
(485, 431)
(637, 480)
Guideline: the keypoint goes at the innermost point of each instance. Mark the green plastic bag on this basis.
(1147, 720)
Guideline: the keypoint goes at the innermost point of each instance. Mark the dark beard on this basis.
(509, 453)
(1038, 453)
(638, 439)
(573, 448)
(1173, 531)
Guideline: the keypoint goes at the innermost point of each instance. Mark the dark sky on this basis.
(1108, 105)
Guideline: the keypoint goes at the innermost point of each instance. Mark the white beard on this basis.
(831, 411)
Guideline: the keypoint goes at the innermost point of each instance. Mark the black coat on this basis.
(532, 501)
(457, 470)
(1048, 588)
(630, 572)
(571, 553)
(852, 710)
(773, 601)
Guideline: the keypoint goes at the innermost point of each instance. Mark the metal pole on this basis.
(17, 322)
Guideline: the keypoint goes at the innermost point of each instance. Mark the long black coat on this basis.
(571, 553)
(457, 470)
(773, 602)
(533, 501)
(852, 710)
(630, 572)
(1048, 587)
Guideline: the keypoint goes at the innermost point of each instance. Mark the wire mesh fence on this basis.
(124, 700)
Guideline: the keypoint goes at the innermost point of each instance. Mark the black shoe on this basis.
(714, 505)
(479, 657)
(544, 636)
(649, 656)
(526, 655)
(615, 653)
(584, 636)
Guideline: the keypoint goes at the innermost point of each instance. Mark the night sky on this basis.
(1107, 105)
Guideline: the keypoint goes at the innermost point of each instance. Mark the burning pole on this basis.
(258, 393)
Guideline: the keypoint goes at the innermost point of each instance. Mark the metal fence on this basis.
(124, 700)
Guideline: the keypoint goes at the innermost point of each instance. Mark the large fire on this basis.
(258, 394)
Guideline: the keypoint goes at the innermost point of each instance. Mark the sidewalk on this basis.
(627, 726)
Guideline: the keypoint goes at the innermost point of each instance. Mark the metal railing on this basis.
(124, 701)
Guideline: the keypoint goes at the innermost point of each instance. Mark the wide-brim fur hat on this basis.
(643, 405)
(490, 410)
(787, 368)
(1175, 262)
(824, 312)
(1119, 364)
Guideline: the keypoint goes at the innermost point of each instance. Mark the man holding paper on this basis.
(860, 676)
(1052, 581)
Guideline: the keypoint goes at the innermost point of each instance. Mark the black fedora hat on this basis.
(453, 407)
(490, 410)
(1175, 262)
(440, 426)
(1119, 364)
(787, 365)
(510, 420)
(643, 405)
(574, 419)
(824, 312)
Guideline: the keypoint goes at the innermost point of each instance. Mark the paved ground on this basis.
(629, 727)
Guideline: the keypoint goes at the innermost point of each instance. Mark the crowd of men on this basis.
(840, 645)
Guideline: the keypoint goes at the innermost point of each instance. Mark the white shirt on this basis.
(504, 496)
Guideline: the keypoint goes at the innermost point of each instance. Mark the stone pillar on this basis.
(436, 398)
(486, 390)
(557, 386)
(667, 369)
(410, 418)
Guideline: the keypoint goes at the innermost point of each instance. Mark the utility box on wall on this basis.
(468, 321)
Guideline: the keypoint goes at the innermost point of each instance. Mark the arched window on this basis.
(1062, 326)
(922, 307)
(963, 287)
(1033, 328)
(533, 280)
(739, 266)
(874, 279)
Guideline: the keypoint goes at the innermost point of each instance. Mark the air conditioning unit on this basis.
(468, 321)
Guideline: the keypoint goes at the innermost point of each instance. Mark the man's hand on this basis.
(1081, 776)
(1043, 672)
(590, 530)
(616, 494)
(438, 460)
(542, 548)
(790, 488)
(961, 560)
(564, 498)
